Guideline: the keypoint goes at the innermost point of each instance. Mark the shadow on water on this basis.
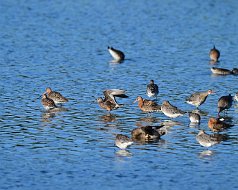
(123, 153)
(47, 115)
(108, 118)
(206, 154)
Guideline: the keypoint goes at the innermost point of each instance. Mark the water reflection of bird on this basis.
(55, 96)
(207, 140)
(123, 141)
(147, 105)
(51, 113)
(47, 102)
(217, 125)
(123, 153)
(198, 98)
(108, 118)
(224, 103)
(152, 89)
(194, 117)
(46, 116)
(170, 110)
(109, 102)
(214, 54)
(147, 133)
(118, 55)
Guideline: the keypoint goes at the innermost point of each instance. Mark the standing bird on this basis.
(224, 103)
(214, 54)
(170, 110)
(123, 141)
(47, 102)
(209, 140)
(152, 89)
(55, 96)
(194, 117)
(217, 125)
(198, 98)
(147, 105)
(109, 102)
(118, 55)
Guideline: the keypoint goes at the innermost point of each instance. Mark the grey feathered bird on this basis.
(170, 110)
(198, 98)
(123, 141)
(152, 89)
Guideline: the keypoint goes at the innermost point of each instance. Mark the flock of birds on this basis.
(51, 99)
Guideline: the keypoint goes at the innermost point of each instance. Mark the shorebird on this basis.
(194, 117)
(147, 105)
(224, 103)
(214, 54)
(109, 102)
(123, 141)
(47, 102)
(221, 71)
(217, 125)
(147, 133)
(118, 55)
(55, 96)
(208, 140)
(152, 89)
(170, 110)
(198, 98)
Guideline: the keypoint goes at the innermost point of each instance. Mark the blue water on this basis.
(63, 44)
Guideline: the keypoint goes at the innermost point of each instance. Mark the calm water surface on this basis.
(63, 44)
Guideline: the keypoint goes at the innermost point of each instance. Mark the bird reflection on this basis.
(194, 125)
(206, 153)
(200, 112)
(48, 114)
(123, 153)
(170, 123)
(149, 119)
(108, 118)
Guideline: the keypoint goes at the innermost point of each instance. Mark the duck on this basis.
(55, 96)
(47, 103)
(109, 102)
(123, 141)
(214, 54)
(147, 133)
(194, 117)
(221, 71)
(170, 110)
(147, 105)
(234, 71)
(207, 140)
(224, 103)
(198, 98)
(152, 89)
(118, 55)
(216, 125)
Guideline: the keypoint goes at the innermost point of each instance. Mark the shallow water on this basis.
(64, 45)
